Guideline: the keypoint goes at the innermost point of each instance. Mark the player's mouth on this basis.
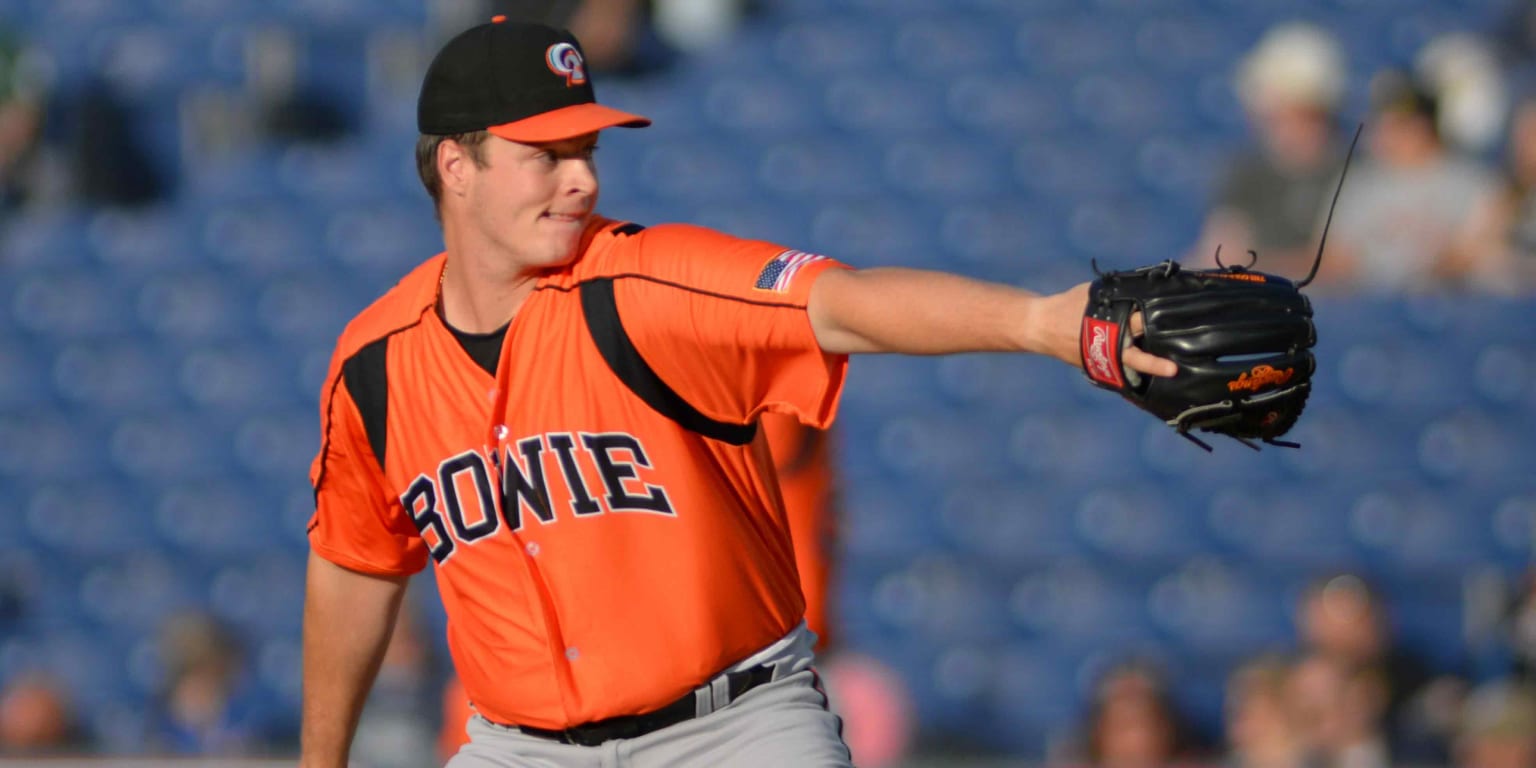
(566, 218)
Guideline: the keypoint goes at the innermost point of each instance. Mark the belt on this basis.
(715, 695)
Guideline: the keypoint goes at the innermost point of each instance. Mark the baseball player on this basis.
(560, 413)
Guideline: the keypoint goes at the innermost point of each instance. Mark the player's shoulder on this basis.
(400, 307)
(629, 248)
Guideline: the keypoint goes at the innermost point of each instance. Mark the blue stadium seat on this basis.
(1075, 602)
(694, 170)
(1414, 530)
(945, 171)
(44, 444)
(954, 43)
(23, 384)
(1010, 526)
(194, 306)
(262, 239)
(1007, 106)
(115, 375)
(1036, 701)
(279, 444)
(1514, 526)
(1217, 609)
(212, 518)
(1069, 444)
(876, 232)
(156, 239)
(753, 105)
(330, 175)
(82, 521)
(1063, 45)
(828, 43)
(171, 445)
(387, 239)
(45, 239)
(818, 167)
(1141, 523)
(310, 306)
(884, 105)
(263, 593)
(1278, 527)
(238, 377)
(58, 304)
(135, 592)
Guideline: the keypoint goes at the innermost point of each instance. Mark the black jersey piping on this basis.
(618, 350)
(670, 284)
(330, 406)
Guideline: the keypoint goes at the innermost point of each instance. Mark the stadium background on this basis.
(1009, 530)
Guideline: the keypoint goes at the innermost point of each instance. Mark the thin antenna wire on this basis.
(1319, 260)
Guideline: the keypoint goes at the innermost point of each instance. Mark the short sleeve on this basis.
(356, 524)
(722, 320)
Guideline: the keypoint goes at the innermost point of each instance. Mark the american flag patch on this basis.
(777, 274)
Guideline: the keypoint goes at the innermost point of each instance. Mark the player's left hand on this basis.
(1242, 340)
(1067, 307)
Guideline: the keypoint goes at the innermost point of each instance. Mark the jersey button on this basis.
(491, 393)
(571, 653)
(501, 431)
(533, 548)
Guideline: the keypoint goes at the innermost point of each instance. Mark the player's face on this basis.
(533, 200)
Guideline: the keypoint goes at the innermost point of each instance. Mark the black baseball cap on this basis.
(522, 82)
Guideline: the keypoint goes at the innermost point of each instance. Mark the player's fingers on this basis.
(1137, 324)
(1145, 362)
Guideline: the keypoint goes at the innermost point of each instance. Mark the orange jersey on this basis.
(802, 457)
(595, 557)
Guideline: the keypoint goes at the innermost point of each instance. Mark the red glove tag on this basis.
(1100, 340)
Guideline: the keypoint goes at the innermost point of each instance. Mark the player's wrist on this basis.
(1051, 324)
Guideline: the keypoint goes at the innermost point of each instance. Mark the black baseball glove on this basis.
(1242, 341)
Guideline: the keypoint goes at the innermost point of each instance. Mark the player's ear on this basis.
(454, 166)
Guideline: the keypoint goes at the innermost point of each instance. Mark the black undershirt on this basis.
(483, 348)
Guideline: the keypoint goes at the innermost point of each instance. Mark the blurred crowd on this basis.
(1347, 695)
(1442, 198)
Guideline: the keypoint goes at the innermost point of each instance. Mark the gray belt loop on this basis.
(703, 701)
(720, 687)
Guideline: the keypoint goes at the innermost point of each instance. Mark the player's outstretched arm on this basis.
(918, 312)
(348, 617)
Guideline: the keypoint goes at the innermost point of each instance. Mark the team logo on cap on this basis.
(564, 60)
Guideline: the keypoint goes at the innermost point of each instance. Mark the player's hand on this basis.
(1067, 316)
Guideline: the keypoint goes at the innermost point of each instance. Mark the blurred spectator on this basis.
(1343, 620)
(879, 716)
(1261, 730)
(1133, 722)
(37, 718)
(62, 145)
(1416, 217)
(1338, 711)
(289, 110)
(1268, 199)
(1498, 728)
(208, 705)
(1514, 213)
(399, 724)
(1521, 629)
(1464, 71)
(21, 117)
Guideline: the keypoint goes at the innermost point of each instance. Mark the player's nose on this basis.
(580, 176)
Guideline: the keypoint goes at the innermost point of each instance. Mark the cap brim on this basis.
(567, 123)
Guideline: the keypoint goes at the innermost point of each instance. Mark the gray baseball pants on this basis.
(782, 723)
